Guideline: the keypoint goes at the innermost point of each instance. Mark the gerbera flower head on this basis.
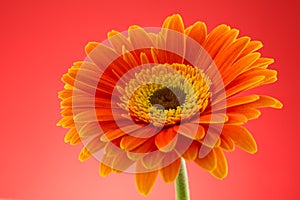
(147, 98)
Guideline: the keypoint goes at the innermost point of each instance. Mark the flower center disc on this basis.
(163, 95)
(168, 98)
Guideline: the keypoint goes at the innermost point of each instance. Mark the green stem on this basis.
(181, 184)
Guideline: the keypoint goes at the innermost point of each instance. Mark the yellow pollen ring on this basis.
(135, 97)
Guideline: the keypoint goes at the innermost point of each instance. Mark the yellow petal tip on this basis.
(90, 47)
(112, 33)
(278, 104)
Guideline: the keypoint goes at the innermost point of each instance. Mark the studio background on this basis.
(39, 41)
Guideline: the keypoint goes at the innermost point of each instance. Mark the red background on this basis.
(41, 39)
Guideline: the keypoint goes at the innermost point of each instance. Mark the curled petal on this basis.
(231, 53)
(192, 151)
(239, 67)
(172, 31)
(252, 47)
(221, 169)
(153, 160)
(90, 47)
(227, 143)
(91, 147)
(166, 139)
(209, 162)
(139, 38)
(145, 181)
(197, 31)
(105, 166)
(170, 172)
(118, 41)
(241, 137)
(236, 119)
(215, 39)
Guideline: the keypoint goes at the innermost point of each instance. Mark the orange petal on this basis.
(94, 145)
(112, 150)
(145, 181)
(91, 116)
(249, 113)
(166, 139)
(66, 103)
(243, 85)
(129, 58)
(66, 122)
(66, 112)
(211, 138)
(75, 139)
(124, 130)
(89, 130)
(227, 143)
(166, 22)
(191, 130)
(65, 94)
(84, 102)
(197, 31)
(236, 119)
(148, 146)
(129, 142)
(241, 100)
(160, 52)
(154, 55)
(144, 59)
(121, 163)
(68, 87)
(84, 155)
(104, 170)
(236, 101)
(85, 84)
(170, 172)
(139, 38)
(153, 160)
(84, 65)
(135, 156)
(221, 169)
(252, 47)
(216, 118)
(229, 54)
(263, 62)
(255, 73)
(173, 32)
(105, 166)
(153, 37)
(175, 23)
(118, 41)
(249, 109)
(90, 47)
(143, 150)
(229, 38)
(271, 75)
(192, 152)
(209, 162)
(70, 134)
(216, 39)
(102, 56)
(113, 134)
(241, 137)
(239, 67)
(183, 145)
(264, 102)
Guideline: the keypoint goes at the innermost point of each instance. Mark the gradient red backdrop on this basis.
(41, 39)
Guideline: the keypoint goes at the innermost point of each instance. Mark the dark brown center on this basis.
(168, 98)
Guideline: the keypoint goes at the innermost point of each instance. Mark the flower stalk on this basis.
(181, 184)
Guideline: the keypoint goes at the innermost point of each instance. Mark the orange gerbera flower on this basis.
(147, 99)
